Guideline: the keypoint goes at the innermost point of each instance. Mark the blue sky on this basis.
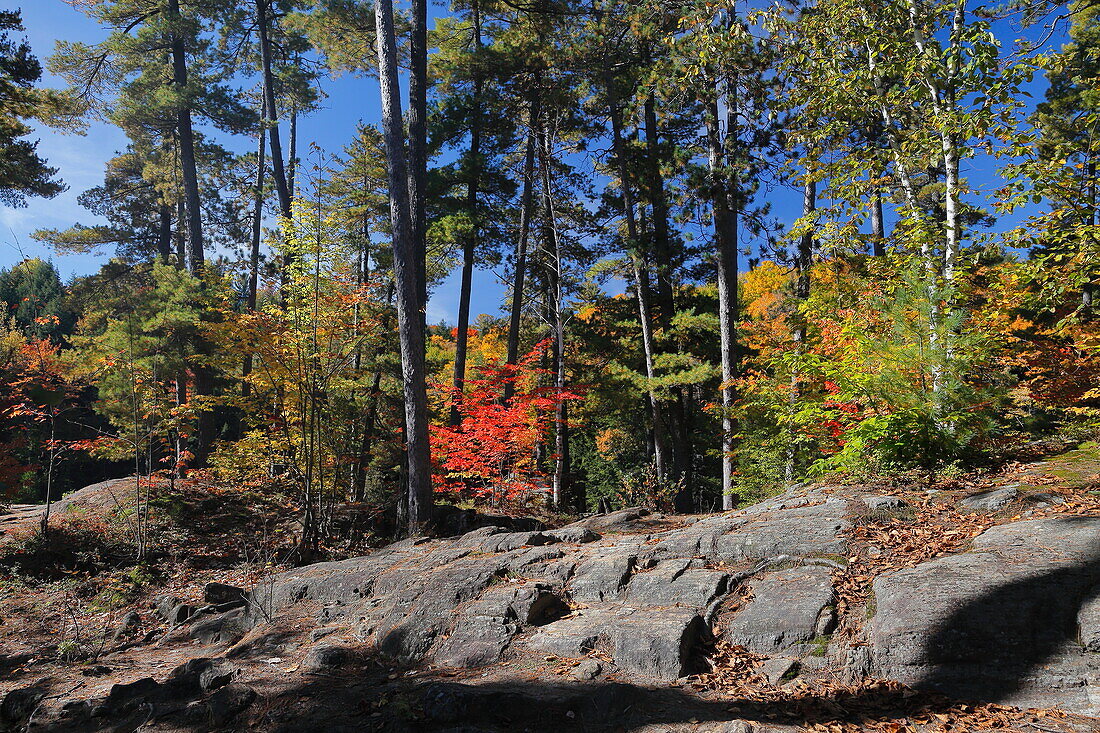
(80, 159)
(349, 100)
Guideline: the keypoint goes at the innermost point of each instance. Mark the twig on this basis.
(1044, 728)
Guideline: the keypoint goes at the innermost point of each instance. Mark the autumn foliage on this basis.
(495, 450)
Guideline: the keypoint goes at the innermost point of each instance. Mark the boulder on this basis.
(20, 703)
(785, 610)
(475, 642)
(124, 697)
(164, 605)
(513, 540)
(589, 669)
(779, 669)
(180, 614)
(991, 501)
(414, 608)
(814, 526)
(1088, 621)
(228, 627)
(484, 628)
(325, 657)
(574, 535)
(128, 626)
(217, 593)
(344, 581)
(659, 643)
(229, 702)
(884, 503)
(200, 675)
(574, 636)
(999, 623)
(805, 531)
(676, 583)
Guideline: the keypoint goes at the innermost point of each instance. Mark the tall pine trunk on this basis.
(292, 161)
(164, 233)
(725, 235)
(679, 433)
(409, 314)
(203, 374)
(560, 488)
(641, 284)
(662, 245)
(271, 111)
(418, 150)
(188, 166)
(469, 244)
(526, 209)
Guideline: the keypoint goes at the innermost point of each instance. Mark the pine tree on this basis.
(23, 172)
(154, 75)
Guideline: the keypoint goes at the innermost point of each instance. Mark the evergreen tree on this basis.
(34, 296)
(23, 172)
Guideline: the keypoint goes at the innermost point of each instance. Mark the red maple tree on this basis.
(493, 452)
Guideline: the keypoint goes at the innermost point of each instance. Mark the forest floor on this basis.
(76, 620)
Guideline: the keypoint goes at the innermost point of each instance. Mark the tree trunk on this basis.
(560, 487)
(179, 235)
(526, 207)
(878, 227)
(271, 113)
(418, 150)
(257, 230)
(662, 253)
(951, 206)
(661, 241)
(1088, 289)
(641, 284)
(803, 262)
(188, 166)
(164, 233)
(725, 235)
(409, 315)
(469, 245)
(292, 161)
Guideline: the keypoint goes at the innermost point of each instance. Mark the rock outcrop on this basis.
(636, 597)
(647, 598)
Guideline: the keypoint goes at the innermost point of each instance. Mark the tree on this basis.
(153, 76)
(405, 258)
(934, 80)
(141, 199)
(34, 296)
(470, 209)
(1064, 161)
(23, 172)
(731, 72)
(490, 451)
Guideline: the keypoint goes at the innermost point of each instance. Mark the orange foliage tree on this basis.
(494, 452)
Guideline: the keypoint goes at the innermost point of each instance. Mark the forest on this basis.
(744, 246)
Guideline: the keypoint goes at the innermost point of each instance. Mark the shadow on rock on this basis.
(991, 648)
(516, 706)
